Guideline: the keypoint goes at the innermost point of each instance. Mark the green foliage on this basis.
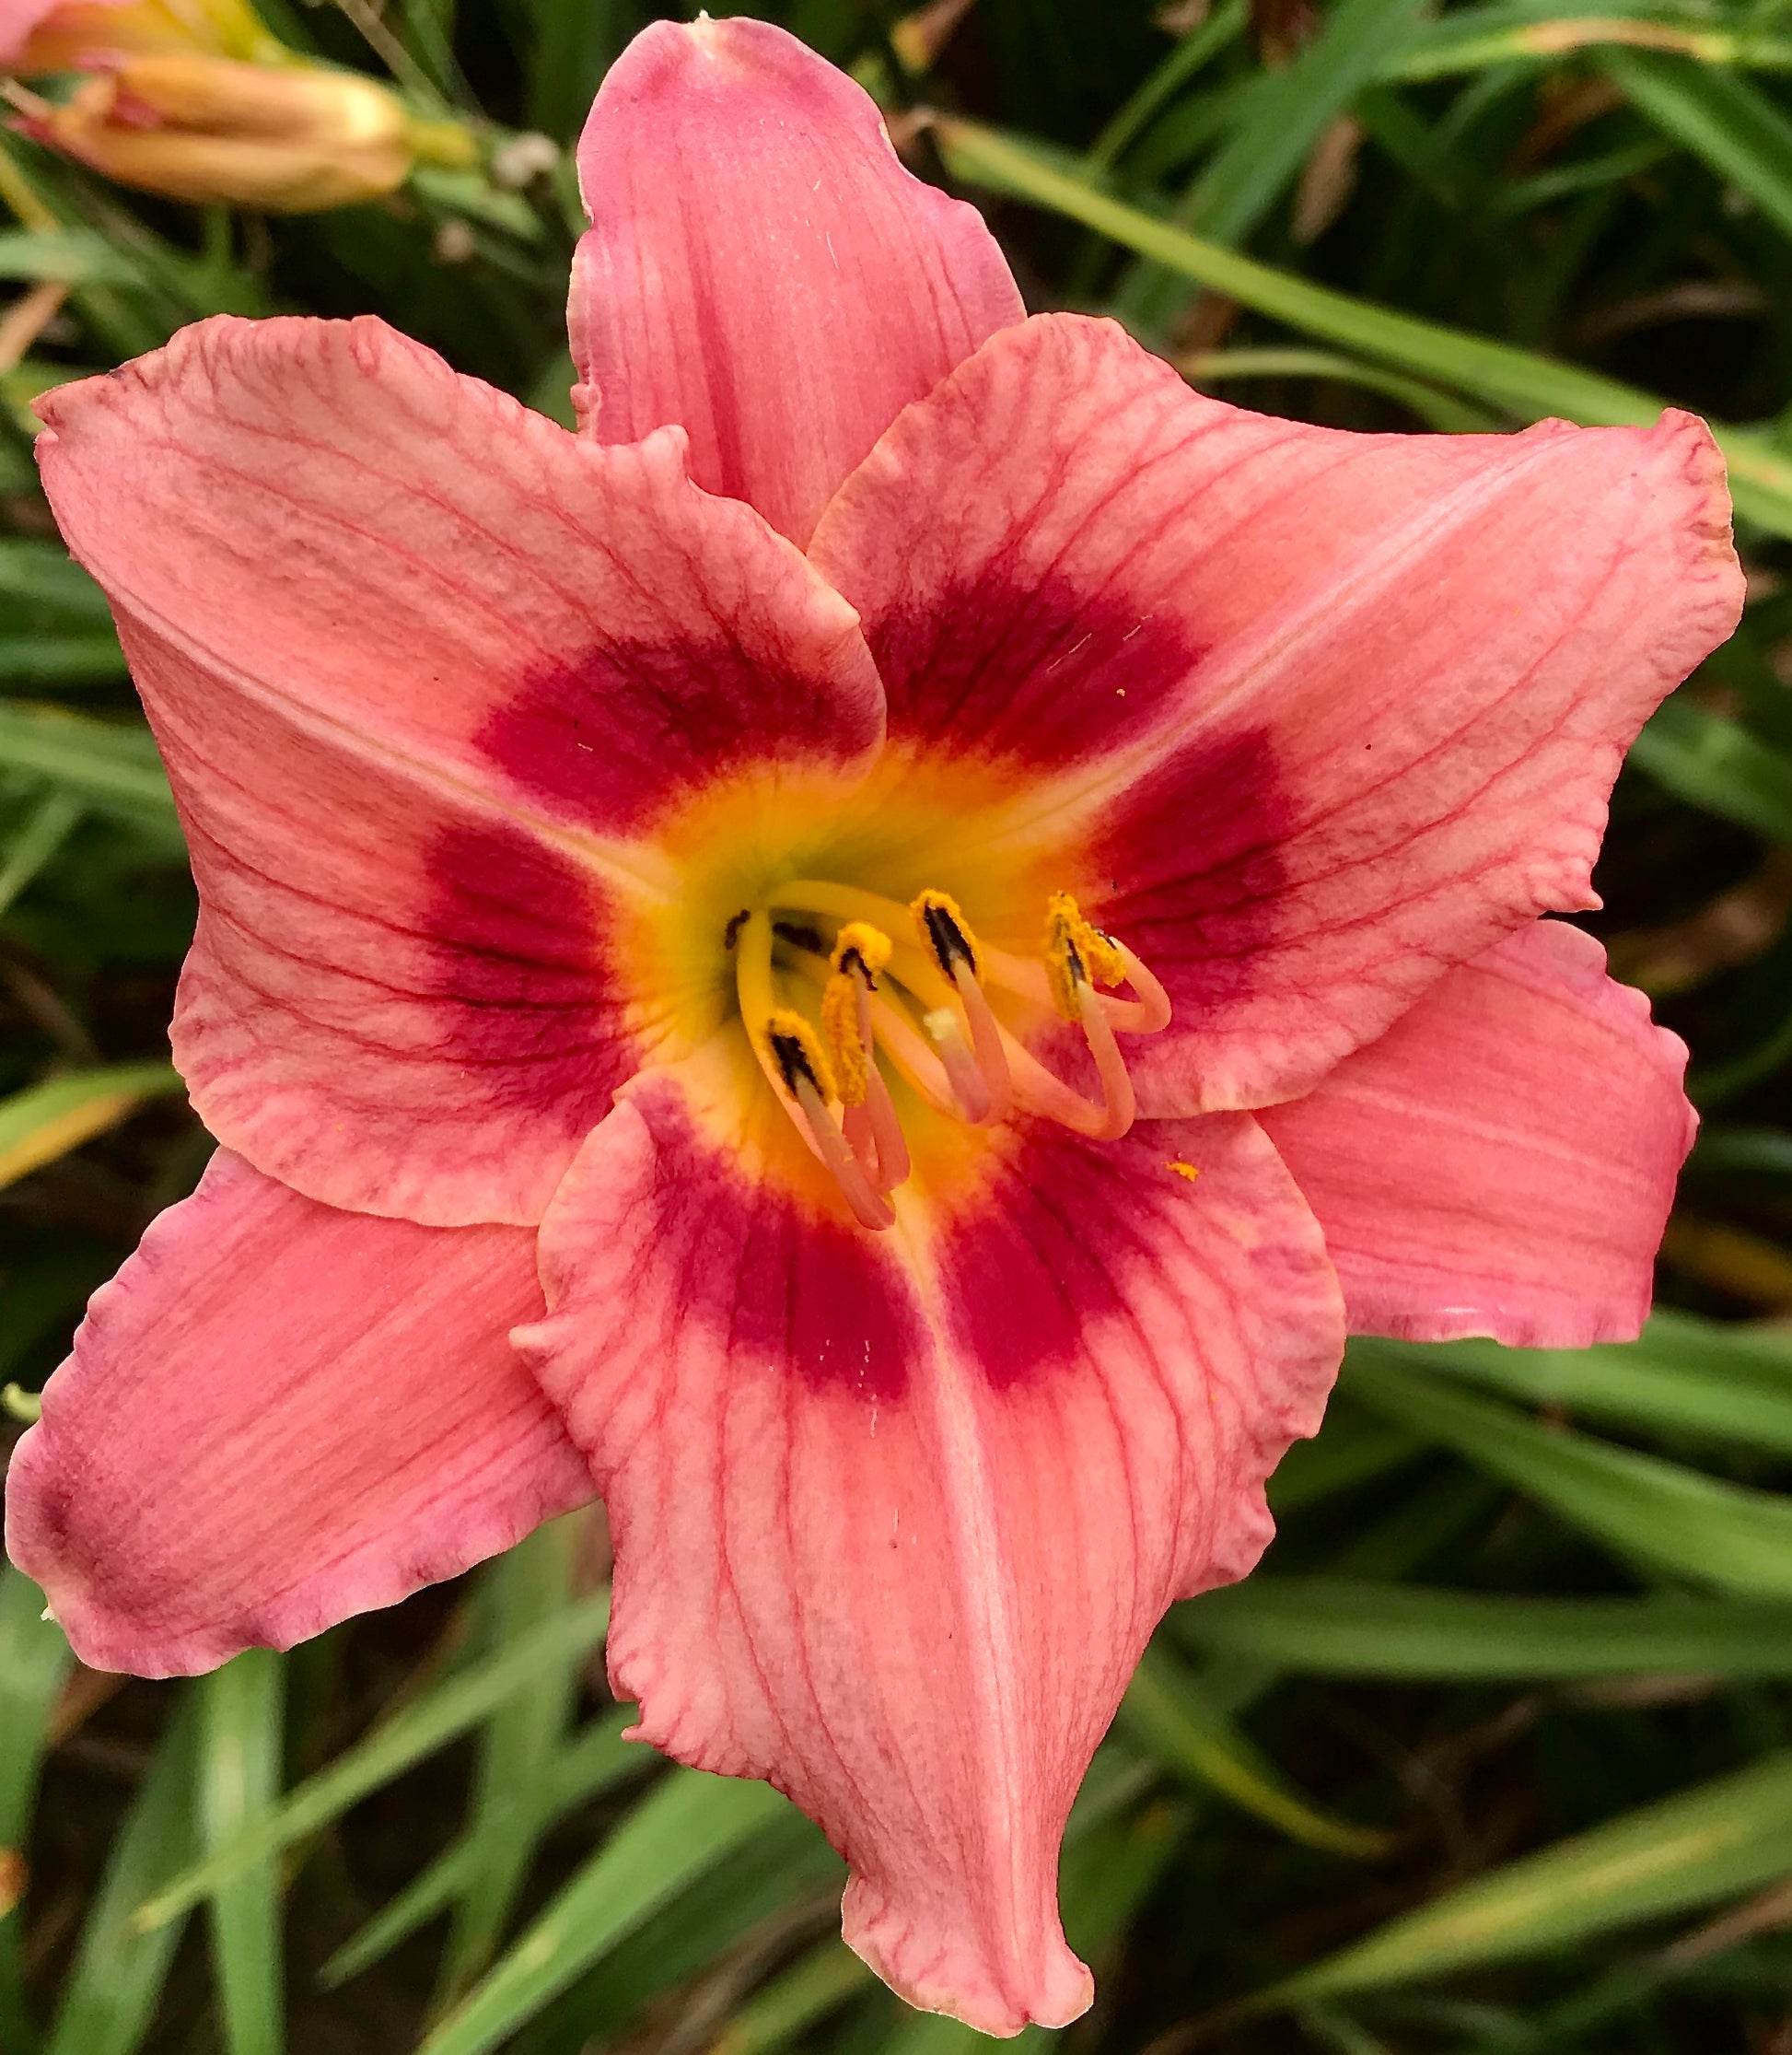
(1493, 1757)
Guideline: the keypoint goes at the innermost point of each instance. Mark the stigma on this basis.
(836, 983)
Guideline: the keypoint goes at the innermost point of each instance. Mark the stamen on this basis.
(959, 1058)
(796, 1069)
(840, 1033)
(860, 945)
(805, 1073)
(908, 1050)
(970, 1087)
(1076, 954)
(947, 933)
(878, 1112)
(798, 1053)
(868, 1117)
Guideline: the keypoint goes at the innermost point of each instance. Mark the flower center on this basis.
(834, 982)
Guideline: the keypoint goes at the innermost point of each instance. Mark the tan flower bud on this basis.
(292, 140)
(77, 35)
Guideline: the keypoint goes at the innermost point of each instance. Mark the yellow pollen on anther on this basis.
(797, 1052)
(1097, 952)
(1065, 970)
(860, 951)
(1181, 1168)
(870, 945)
(946, 934)
(842, 1039)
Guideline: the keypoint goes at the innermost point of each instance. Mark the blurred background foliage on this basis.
(1495, 1757)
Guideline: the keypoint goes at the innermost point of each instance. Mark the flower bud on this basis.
(291, 140)
(42, 35)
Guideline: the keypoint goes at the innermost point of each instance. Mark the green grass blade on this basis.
(1712, 762)
(1225, 25)
(576, 42)
(429, 1722)
(1441, 410)
(1723, 119)
(34, 1659)
(1656, 1513)
(48, 608)
(47, 1120)
(52, 659)
(110, 2001)
(112, 767)
(783, 1871)
(1331, 1627)
(1496, 373)
(1472, 39)
(1245, 176)
(240, 1740)
(1684, 1376)
(1701, 1845)
(1165, 1712)
(818, 1983)
(517, 1749)
(595, 1761)
(42, 832)
(689, 1823)
(1352, 1446)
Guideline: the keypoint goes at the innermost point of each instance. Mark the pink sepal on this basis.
(1502, 1160)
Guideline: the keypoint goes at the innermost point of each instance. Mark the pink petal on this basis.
(894, 1537)
(761, 269)
(277, 1415)
(1502, 1160)
(424, 667)
(1313, 715)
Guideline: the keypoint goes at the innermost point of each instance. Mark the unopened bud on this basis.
(79, 35)
(292, 140)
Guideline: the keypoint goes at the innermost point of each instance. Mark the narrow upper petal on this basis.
(424, 668)
(1502, 1160)
(894, 1516)
(277, 1415)
(761, 269)
(1320, 713)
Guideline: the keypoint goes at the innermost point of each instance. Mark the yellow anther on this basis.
(1104, 960)
(1181, 1168)
(946, 934)
(1099, 954)
(797, 1052)
(869, 944)
(841, 1035)
(1065, 968)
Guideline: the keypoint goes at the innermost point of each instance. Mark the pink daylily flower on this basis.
(648, 996)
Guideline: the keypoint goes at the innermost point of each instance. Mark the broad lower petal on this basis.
(761, 269)
(894, 1515)
(1314, 714)
(426, 669)
(1502, 1160)
(277, 1415)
